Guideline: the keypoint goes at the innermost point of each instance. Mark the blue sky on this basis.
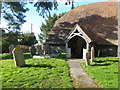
(32, 16)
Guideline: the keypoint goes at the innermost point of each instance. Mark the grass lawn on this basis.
(105, 71)
(38, 73)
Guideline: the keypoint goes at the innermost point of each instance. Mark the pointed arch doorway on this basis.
(77, 43)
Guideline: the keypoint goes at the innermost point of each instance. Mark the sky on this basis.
(32, 16)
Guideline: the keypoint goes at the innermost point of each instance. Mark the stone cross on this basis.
(39, 50)
(32, 50)
(11, 49)
(18, 57)
(92, 54)
(87, 59)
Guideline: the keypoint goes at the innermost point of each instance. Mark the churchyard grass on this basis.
(38, 73)
(105, 71)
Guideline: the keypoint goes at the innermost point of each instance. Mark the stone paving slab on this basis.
(79, 76)
(38, 56)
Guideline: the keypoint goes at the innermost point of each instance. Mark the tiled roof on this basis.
(98, 20)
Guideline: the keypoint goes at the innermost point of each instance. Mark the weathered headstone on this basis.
(39, 50)
(87, 59)
(18, 57)
(32, 50)
(92, 54)
(11, 49)
(68, 53)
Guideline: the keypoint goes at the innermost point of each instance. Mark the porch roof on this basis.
(98, 20)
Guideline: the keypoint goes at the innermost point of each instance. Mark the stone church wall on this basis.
(106, 50)
(56, 48)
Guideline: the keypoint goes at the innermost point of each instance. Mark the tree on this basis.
(47, 27)
(44, 7)
(10, 38)
(13, 12)
(15, 38)
(27, 39)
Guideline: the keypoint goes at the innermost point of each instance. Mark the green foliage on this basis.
(44, 8)
(6, 56)
(47, 27)
(10, 38)
(13, 12)
(27, 39)
(105, 71)
(38, 73)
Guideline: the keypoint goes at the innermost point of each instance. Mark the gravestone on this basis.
(92, 54)
(32, 50)
(68, 55)
(39, 50)
(11, 49)
(18, 57)
(87, 59)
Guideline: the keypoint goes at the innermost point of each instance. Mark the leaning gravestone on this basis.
(92, 54)
(87, 59)
(39, 50)
(32, 50)
(11, 49)
(18, 57)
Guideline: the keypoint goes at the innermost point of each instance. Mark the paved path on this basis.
(79, 76)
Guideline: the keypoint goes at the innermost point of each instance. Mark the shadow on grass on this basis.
(105, 62)
(99, 64)
(99, 61)
(7, 56)
(27, 56)
(113, 60)
(61, 56)
(40, 66)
